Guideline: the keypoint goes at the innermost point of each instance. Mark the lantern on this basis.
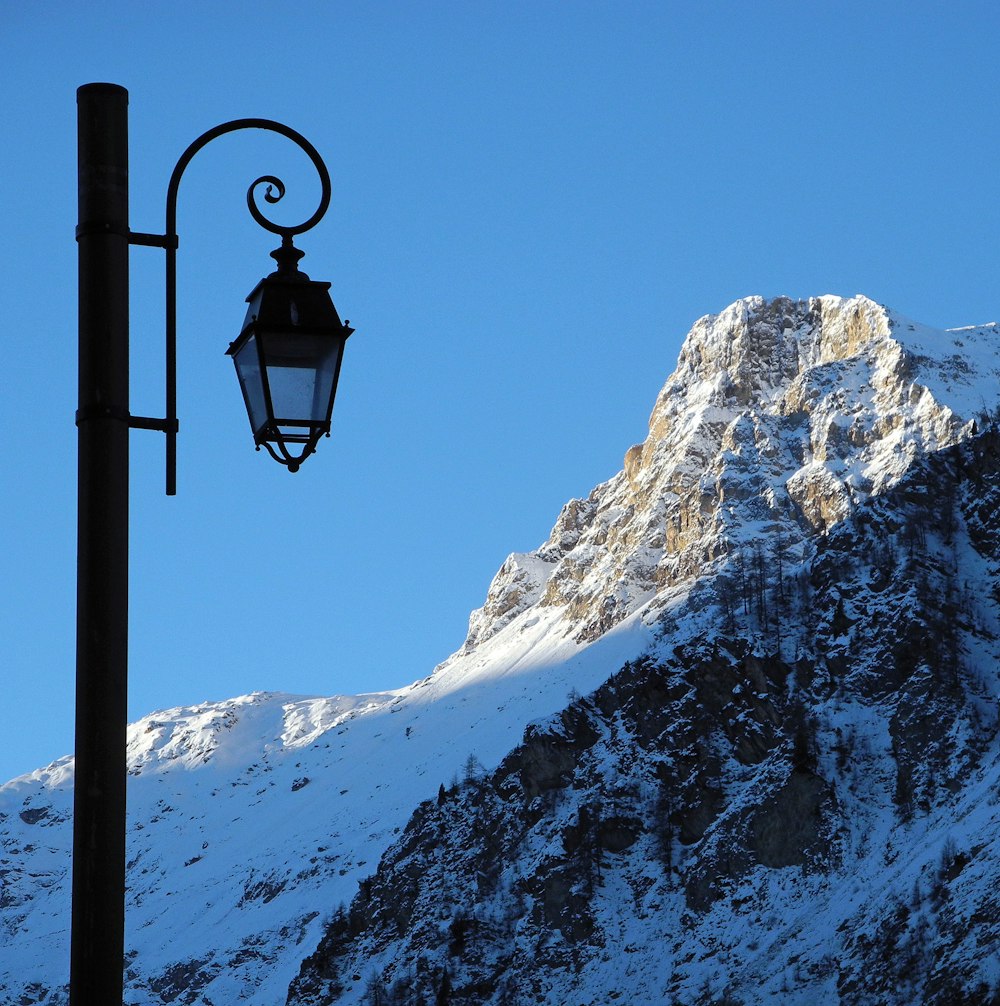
(288, 359)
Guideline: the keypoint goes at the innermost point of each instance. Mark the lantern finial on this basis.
(288, 257)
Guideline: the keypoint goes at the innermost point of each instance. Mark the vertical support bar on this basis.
(98, 915)
(171, 362)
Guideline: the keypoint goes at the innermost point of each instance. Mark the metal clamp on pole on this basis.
(152, 240)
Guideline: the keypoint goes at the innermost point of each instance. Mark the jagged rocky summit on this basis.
(728, 736)
(782, 416)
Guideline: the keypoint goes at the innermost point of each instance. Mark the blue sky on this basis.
(532, 202)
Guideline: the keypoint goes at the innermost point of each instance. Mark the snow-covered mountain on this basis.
(728, 735)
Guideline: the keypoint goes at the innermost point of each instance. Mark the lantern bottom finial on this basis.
(277, 441)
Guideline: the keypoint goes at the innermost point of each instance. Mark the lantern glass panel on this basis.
(300, 373)
(248, 368)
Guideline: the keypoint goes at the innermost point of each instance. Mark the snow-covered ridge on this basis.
(240, 729)
(250, 820)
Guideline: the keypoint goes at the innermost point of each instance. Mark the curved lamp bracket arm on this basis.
(270, 180)
(274, 193)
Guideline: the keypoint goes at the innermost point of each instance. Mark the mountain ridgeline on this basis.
(731, 735)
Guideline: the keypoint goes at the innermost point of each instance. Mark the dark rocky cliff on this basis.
(792, 799)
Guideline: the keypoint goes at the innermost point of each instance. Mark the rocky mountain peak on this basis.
(755, 345)
(780, 413)
(791, 795)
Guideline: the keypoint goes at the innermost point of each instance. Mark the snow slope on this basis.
(248, 819)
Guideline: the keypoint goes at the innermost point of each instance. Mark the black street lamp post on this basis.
(287, 359)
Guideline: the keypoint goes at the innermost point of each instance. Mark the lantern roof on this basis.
(288, 297)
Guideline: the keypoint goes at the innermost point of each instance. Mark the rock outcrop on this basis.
(780, 413)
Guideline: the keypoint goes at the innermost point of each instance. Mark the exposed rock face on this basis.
(780, 413)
